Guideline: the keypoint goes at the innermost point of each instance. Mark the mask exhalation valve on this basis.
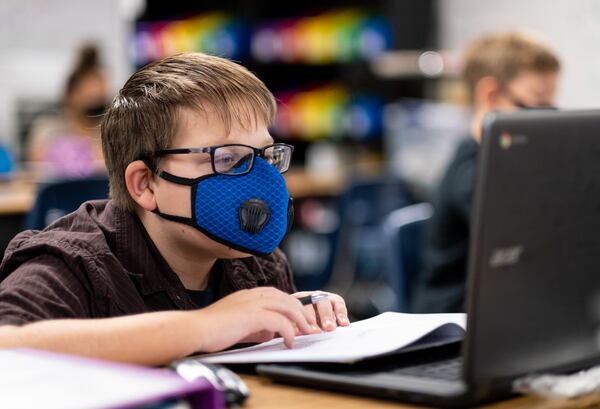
(254, 215)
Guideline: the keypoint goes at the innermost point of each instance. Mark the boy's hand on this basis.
(328, 313)
(254, 316)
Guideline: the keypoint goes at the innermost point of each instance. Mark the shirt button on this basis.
(178, 298)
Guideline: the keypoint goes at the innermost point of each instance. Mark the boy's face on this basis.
(91, 91)
(529, 90)
(198, 130)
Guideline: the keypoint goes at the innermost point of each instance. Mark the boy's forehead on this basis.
(206, 128)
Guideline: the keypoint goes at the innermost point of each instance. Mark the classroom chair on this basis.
(58, 198)
(403, 231)
(358, 270)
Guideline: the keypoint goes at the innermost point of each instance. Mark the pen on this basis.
(313, 298)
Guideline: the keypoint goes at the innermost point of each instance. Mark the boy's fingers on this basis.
(326, 315)
(275, 322)
(340, 312)
(289, 306)
(311, 311)
(339, 308)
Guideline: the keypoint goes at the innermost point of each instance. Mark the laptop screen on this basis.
(534, 268)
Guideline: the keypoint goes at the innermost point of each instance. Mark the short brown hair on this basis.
(506, 55)
(144, 115)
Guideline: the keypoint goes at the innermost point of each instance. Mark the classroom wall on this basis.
(38, 39)
(38, 43)
(571, 27)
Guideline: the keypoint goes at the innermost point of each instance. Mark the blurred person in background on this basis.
(504, 72)
(68, 144)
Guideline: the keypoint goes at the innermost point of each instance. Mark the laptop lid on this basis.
(534, 284)
(534, 268)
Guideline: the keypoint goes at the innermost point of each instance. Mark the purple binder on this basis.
(33, 378)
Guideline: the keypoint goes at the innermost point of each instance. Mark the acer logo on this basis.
(506, 256)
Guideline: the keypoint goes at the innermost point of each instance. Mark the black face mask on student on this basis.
(521, 105)
(94, 112)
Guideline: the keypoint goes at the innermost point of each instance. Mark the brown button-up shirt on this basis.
(100, 262)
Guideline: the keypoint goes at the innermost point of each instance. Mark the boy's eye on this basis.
(225, 159)
(233, 159)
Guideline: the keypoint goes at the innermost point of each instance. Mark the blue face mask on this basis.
(250, 212)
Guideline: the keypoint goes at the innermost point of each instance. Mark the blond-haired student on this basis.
(503, 72)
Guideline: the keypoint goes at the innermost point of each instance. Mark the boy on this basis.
(164, 269)
(504, 72)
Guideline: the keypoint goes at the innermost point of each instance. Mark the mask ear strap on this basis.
(290, 216)
(173, 218)
(166, 175)
(178, 180)
(170, 178)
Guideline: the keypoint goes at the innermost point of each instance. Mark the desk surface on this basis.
(266, 395)
(16, 197)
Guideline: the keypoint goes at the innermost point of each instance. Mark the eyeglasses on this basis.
(238, 159)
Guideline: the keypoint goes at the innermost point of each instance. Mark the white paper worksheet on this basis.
(382, 334)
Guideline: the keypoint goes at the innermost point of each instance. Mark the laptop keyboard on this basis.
(450, 369)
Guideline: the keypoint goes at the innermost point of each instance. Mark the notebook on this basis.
(533, 282)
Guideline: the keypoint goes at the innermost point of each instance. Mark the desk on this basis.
(268, 395)
(16, 197)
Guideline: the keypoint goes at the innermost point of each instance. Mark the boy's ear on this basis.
(139, 180)
(487, 92)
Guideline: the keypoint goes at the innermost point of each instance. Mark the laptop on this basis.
(533, 299)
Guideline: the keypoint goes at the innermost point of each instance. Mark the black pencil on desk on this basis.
(313, 298)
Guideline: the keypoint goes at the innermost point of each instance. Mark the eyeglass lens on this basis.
(234, 160)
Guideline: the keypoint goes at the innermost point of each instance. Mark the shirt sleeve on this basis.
(40, 289)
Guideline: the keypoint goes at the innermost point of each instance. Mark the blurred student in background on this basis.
(68, 144)
(504, 72)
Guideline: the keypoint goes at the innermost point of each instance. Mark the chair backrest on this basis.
(403, 231)
(58, 198)
(358, 271)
